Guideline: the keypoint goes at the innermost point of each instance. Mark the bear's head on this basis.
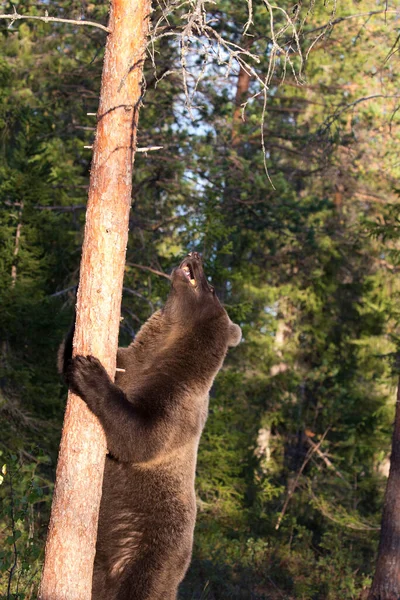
(193, 302)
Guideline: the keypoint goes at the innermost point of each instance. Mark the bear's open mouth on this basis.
(189, 274)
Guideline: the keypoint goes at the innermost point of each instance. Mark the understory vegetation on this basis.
(300, 240)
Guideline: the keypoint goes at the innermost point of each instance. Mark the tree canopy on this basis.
(293, 203)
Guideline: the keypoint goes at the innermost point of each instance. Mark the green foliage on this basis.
(25, 493)
(289, 477)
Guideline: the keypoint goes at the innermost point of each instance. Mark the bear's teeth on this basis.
(193, 281)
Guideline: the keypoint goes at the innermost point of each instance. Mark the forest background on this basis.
(294, 458)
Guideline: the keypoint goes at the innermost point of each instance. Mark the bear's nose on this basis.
(195, 255)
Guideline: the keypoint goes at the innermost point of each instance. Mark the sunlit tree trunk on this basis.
(70, 547)
(386, 583)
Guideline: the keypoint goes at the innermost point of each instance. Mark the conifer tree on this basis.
(386, 582)
(300, 419)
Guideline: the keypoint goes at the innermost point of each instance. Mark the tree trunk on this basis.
(242, 89)
(386, 583)
(16, 246)
(70, 546)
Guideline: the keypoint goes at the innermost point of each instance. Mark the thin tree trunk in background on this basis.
(386, 583)
(70, 547)
(16, 246)
(242, 89)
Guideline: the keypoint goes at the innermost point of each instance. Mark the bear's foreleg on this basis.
(134, 433)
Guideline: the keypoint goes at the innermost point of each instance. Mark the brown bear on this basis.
(153, 416)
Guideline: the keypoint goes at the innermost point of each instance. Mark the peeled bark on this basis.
(70, 547)
(386, 583)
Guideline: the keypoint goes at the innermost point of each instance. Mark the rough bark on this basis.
(386, 583)
(70, 546)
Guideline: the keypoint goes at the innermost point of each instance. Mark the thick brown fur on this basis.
(153, 416)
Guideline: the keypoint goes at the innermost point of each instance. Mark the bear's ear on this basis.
(235, 334)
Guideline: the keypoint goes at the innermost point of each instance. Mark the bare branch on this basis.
(392, 117)
(148, 226)
(61, 292)
(292, 489)
(331, 24)
(135, 293)
(146, 149)
(149, 149)
(355, 525)
(150, 269)
(85, 127)
(326, 460)
(277, 49)
(250, 16)
(199, 26)
(62, 208)
(340, 110)
(15, 16)
(283, 47)
(393, 49)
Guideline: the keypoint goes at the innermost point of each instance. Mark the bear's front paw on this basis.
(87, 378)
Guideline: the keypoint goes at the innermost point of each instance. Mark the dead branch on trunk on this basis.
(150, 269)
(15, 16)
